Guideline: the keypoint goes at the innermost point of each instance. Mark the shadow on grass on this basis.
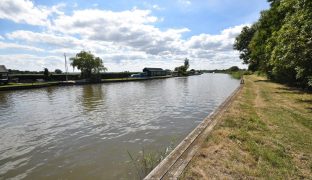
(309, 108)
(291, 90)
(266, 80)
(308, 101)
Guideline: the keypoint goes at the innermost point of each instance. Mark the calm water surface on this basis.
(84, 132)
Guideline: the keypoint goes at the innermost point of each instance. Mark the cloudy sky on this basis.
(127, 34)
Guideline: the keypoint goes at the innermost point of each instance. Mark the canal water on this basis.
(86, 132)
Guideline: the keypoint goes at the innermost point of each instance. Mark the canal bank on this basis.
(265, 134)
(23, 86)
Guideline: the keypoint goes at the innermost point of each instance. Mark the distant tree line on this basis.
(14, 71)
(280, 42)
(229, 70)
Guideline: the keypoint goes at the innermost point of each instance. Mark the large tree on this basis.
(292, 55)
(58, 71)
(186, 64)
(182, 70)
(279, 43)
(46, 74)
(242, 44)
(87, 63)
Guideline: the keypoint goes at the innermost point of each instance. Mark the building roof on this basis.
(152, 69)
(3, 69)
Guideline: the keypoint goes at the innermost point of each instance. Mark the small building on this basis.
(4, 74)
(155, 72)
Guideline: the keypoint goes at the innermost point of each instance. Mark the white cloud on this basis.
(60, 43)
(6, 45)
(43, 38)
(25, 11)
(206, 51)
(1, 37)
(215, 51)
(57, 9)
(125, 40)
(130, 28)
(185, 2)
(149, 5)
(220, 42)
(32, 62)
(157, 7)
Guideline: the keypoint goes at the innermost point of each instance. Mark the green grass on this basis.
(132, 79)
(266, 134)
(26, 84)
(121, 79)
(237, 74)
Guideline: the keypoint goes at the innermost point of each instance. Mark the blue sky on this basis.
(127, 34)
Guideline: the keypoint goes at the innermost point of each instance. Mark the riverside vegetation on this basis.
(280, 43)
(146, 161)
(265, 133)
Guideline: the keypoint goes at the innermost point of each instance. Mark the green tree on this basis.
(242, 44)
(88, 64)
(233, 68)
(182, 70)
(58, 71)
(291, 56)
(46, 74)
(262, 43)
(279, 43)
(186, 64)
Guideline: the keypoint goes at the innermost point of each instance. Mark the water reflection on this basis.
(4, 99)
(50, 93)
(92, 97)
(84, 132)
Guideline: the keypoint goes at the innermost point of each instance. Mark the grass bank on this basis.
(21, 86)
(133, 79)
(237, 74)
(266, 133)
(18, 86)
